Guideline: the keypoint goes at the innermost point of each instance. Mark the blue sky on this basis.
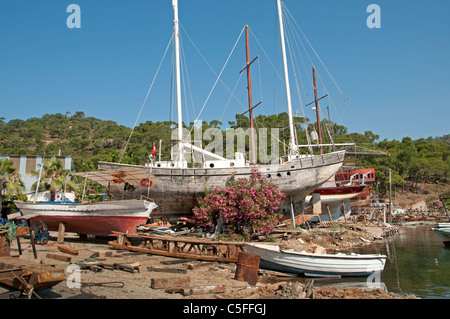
(396, 79)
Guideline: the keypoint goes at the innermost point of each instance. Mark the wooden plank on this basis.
(68, 250)
(22, 230)
(167, 283)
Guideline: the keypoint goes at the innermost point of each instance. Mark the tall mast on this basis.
(292, 143)
(317, 110)
(176, 33)
(250, 103)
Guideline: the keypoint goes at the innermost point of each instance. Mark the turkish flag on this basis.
(154, 150)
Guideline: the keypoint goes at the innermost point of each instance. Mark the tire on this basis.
(44, 241)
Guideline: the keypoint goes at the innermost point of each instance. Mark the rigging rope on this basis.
(345, 99)
(293, 22)
(145, 100)
(218, 76)
(188, 82)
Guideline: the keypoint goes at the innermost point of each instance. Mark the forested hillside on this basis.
(89, 140)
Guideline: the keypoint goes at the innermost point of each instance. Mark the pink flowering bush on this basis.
(435, 204)
(246, 205)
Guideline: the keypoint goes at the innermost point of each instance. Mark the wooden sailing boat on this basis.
(180, 186)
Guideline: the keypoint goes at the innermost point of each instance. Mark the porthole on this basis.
(211, 165)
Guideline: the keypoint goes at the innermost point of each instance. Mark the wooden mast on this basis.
(250, 103)
(317, 110)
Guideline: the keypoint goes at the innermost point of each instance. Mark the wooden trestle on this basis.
(180, 247)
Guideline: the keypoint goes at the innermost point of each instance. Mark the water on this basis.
(418, 262)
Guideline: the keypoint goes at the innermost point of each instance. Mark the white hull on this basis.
(444, 235)
(180, 187)
(272, 257)
(442, 225)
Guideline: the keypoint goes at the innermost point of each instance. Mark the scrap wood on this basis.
(127, 267)
(275, 273)
(309, 288)
(67, 250)
(173, 290)
(92, 265)
(202, 290)
(104, 253)
(95, 265)
(198, 264)
(173, 282)
(176, 261)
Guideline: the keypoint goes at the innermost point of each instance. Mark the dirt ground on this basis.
(122, 284)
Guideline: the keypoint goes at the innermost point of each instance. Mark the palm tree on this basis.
(9, 180)
(54, 177)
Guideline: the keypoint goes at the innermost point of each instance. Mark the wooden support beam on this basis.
(329, 213)
(61, 232)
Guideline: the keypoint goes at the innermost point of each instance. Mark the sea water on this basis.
(418, 262)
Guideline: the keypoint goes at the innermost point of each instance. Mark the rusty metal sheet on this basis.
(247, 268)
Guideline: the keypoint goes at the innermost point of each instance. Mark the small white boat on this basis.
(444, 234)
(442, 225)
(309, 264)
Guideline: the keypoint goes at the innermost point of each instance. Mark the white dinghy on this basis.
(311, 264)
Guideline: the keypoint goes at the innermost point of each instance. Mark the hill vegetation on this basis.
(88, 140)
